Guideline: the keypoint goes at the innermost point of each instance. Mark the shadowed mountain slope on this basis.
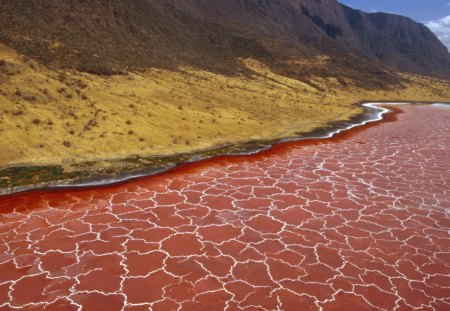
(111, 36)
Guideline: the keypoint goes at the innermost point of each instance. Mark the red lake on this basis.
(357, 222)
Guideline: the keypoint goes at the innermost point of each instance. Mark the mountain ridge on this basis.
(115, 36)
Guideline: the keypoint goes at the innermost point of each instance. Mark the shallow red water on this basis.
(355, 223)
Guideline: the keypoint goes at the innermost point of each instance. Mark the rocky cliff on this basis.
(110, 36)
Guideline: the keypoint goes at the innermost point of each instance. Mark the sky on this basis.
(433, 13)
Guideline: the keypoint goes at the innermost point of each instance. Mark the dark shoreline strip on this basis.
(373, 113)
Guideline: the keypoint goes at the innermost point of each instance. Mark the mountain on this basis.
(113, 36)
(107, 87)
(400, 42)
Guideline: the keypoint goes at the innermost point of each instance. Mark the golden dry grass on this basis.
(49, 117)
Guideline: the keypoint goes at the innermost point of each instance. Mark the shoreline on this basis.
(374, 113)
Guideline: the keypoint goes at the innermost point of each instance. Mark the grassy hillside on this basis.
(68, 117)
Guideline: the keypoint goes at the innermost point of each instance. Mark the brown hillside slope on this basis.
(113, 36)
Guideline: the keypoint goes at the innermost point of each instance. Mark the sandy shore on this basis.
(134, 168)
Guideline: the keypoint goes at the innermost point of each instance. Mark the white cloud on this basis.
(441, 28)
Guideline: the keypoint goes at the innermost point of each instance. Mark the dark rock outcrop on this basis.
(400, 42)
